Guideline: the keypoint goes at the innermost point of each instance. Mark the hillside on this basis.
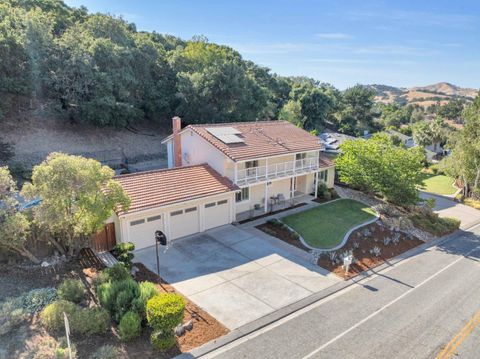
(423, 95)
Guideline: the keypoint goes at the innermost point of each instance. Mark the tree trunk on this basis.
(26, 253)
(57, 245)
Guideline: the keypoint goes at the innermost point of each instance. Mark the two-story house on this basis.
(216, 173)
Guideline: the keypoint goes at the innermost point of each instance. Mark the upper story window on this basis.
(251, 164)
(300, 156)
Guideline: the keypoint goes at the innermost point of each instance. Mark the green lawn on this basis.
(438, 184)
(325, 226)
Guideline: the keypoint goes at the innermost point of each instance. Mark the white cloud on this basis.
(334, 36)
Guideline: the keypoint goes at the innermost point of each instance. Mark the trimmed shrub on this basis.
(118, 296)
(52, 316)
(147, 291)
(122, 252)
(162, 340)
(165, 311)
(321, 189)
(105, 352)
(327, 195)
(130, 326)
(37, 299)
(101, 278)
(72, 290)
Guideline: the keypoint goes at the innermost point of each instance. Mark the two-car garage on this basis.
(179, 202)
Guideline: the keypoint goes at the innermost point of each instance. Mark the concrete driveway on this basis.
(238, 275)
(446, 207)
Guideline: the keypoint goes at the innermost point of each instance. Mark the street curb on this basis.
(305, 302)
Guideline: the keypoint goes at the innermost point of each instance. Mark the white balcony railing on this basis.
(276, 170)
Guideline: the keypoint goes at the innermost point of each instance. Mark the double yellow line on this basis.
(449, 350)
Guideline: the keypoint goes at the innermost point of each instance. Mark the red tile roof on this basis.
(152, 189)
(324, 161)
(261, 139)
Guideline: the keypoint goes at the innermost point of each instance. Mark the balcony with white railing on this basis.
(276, 170)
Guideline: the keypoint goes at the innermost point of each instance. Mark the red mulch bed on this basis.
(281, 233)
(364, 259)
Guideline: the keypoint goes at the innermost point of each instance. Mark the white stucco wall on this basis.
(199, 151)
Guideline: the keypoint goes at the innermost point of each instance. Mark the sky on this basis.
(343, 42)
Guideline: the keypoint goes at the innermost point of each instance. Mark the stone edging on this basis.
(345, 237)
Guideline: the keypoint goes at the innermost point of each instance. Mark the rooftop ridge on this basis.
(206, 165)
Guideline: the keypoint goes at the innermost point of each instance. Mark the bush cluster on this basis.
(434, 224)
(86, 321)
(118, 296)
(164, 313)
(72, 290)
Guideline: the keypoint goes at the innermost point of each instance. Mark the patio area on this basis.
(275, 206)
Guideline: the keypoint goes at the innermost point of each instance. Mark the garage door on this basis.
(217, 214)
(142, 231)
(184, 222)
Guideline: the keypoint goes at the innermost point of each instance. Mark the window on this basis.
(154, 218)
(208, 205)
(137, 222)
(176, 213)
(251, 164)
(242, 195)
(222, 202)
(191, 209)
(323, 175)
(300, 156)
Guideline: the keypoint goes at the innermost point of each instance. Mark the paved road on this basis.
(446, 207)
(412, 310)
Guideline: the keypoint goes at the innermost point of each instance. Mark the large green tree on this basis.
(14, 225)
(464, 161)
(378, 166)
(77, 196)
(357, 110)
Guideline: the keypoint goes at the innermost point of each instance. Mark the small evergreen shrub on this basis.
(147, 291)
(130, 326)
(321, 189)
(165, 311)
(162, 340)
(118, 297)
(105, 352)
(123, 253)
(72, 290)
(52, 316)
(118, 272)
(49, 348)
(82, 321)
(89, 321)
(327, 195)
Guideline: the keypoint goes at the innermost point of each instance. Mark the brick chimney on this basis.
(177, 143)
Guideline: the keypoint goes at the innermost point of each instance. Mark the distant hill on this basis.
(422, 95)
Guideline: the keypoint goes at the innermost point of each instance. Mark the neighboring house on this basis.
(218, 171)
(332, 141)
(431, 151)
(404, 139)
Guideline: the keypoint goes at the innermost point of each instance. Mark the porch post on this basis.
(235, 175)
(266, 197)
(316, 184)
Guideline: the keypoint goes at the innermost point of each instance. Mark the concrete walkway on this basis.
(446, 207)
(238, 275)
